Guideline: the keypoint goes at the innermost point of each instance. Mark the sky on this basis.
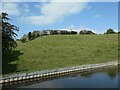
(30, 16)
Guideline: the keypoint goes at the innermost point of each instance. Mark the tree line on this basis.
(31, 36)
(35, 34)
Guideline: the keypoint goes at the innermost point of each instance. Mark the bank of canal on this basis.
(16, 81)
(106, 78)
(102, 78)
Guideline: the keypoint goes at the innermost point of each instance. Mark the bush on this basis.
(24, 38)
(86, 32)
(30, 36)
(110, 31)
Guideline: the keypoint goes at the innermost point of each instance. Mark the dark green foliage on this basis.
(30, 36)
(90, 32)
(24, 38)
(35, 34)
(45, 32)
(38, 35)
(110, 31)
(8, 33)
(63, 32)
(68, 33)
(58, 32)
(73, 32)
(86, 32)
(8, 58)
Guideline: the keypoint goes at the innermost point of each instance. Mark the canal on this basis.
(105, 78)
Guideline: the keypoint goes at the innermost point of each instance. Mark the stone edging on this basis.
(43, 74)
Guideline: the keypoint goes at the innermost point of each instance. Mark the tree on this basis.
(86, 32)
(83, 32)
(24, 38)
(73, 32)
(34, 34)
(38, 33)
(90, 32)
(8, 33)
(110, 31)
(30, 36)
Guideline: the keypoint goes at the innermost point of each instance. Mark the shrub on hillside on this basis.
(86, 32)
(110, 31)
(29, 36)
(24, 38)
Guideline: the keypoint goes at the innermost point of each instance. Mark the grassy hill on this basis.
(58, 51)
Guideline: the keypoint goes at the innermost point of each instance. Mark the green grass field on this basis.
(59, 51)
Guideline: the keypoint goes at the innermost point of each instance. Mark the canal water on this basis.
(105, 78)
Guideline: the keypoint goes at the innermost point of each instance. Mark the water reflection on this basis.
(111, 72)
(86, 75)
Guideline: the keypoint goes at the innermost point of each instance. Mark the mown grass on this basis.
(59, 51)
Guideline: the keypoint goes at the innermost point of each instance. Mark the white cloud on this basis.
(50, 13)
(15, 9)
(78, 29)
(115, 30)
(71, 27)
(53, 12)
(11, 8)
(86, 28)
(89, 30)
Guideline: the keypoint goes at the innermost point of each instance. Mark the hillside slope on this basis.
(58, 51)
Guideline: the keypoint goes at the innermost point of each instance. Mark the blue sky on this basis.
(30, 16)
